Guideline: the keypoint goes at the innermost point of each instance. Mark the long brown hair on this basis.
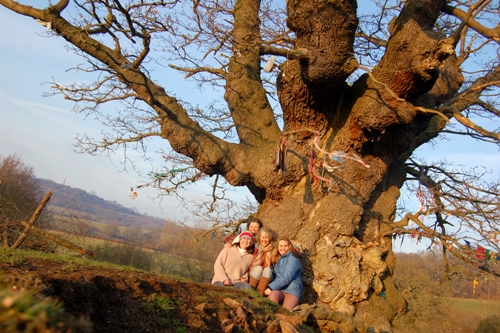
(276, 255)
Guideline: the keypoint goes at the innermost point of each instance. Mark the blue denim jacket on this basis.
(287, 275)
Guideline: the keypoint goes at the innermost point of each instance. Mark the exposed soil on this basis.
(117, 300)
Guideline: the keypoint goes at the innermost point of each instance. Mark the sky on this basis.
(41, 130)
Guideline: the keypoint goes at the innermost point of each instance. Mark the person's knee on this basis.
(290, 302)
(273, 297)
(267, 272)
(276, 296)
(256, 272)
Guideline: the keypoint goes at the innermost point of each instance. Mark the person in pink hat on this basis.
(231, 266)
(253, 225)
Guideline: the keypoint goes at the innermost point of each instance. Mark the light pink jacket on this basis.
(231, 265)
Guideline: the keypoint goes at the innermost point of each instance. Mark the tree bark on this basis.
(347, 263)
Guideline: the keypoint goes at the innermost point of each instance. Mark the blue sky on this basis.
(41, 130)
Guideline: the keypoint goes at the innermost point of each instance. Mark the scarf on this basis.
(262, 257)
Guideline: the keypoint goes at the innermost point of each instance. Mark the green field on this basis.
(121, 252)
(483, 308)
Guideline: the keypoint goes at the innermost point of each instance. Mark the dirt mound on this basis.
(127, 301)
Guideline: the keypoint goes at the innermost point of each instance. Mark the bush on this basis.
(489, 325)
(20, 195)
(124, 254)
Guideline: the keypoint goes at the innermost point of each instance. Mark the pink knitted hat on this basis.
(247, 234)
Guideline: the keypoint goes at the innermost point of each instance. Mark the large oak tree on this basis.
(325, 139)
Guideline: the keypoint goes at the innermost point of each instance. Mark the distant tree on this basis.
(131, 255)
(20, 195)
(124, 254)
(92, 231)
(153, 234)
(420, 279)
(462, 278)
(197, 256)
(163, 240)
(166, 238)
(194, 257)
(164, 263)
(458, 282)
(112, 230)
(133, 234)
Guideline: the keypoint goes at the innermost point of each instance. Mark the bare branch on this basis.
(288, 54)
(493, 33)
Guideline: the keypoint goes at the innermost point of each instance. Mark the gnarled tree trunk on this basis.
(341, 221)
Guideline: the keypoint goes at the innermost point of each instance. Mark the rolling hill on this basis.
(67, 200)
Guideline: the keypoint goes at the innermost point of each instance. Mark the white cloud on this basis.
(33, 106)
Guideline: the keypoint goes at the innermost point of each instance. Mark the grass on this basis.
(102, 227)
(20, 308)
(13, 255)
(265, 306)
(305, 328)
(483, 308)
(162, 306)
(158, 304)
(118, 252)
(93, 244)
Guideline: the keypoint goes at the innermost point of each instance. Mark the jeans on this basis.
(258, 272)
(237, 285)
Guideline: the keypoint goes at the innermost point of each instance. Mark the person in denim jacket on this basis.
(286, 286)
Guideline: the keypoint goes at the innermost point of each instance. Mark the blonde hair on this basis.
(276, 255)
